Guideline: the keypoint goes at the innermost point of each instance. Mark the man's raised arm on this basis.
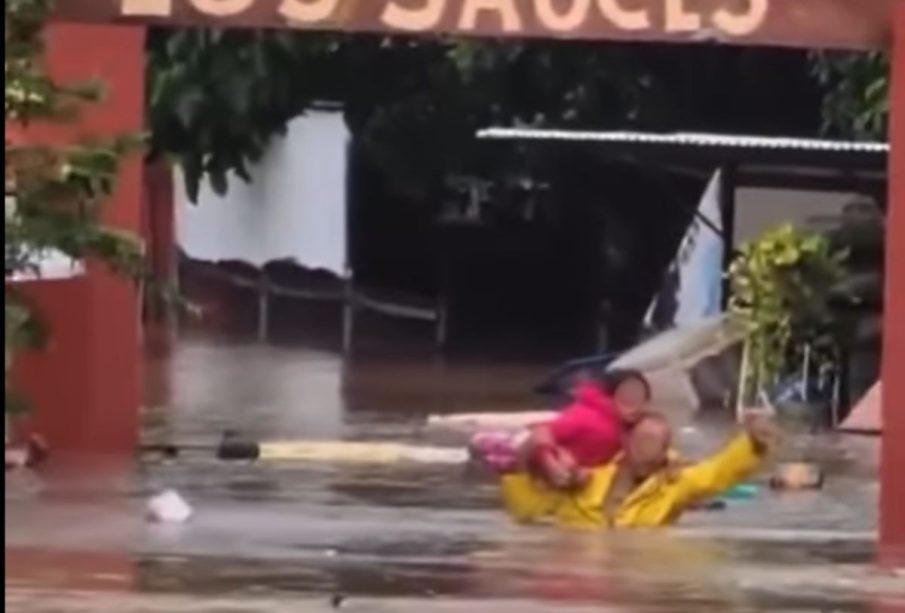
(738, 459)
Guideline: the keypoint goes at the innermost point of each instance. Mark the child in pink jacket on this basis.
(586, 433)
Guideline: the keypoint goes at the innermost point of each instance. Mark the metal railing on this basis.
(351, 298)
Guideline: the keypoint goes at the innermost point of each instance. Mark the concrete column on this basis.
(86, 385)
(892, 493)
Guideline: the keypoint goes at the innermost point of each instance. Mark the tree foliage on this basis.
(856, 99)
(454, 88)
(54, 193)
(217, 97)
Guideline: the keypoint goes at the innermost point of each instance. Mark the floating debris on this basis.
(797, 476)
(169, 507)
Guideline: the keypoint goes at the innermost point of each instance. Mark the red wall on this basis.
(86, 384)
(892, 493)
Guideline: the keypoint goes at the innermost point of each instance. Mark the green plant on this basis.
(856, 99)
(781, 288)
(217, 97)
(54, 193)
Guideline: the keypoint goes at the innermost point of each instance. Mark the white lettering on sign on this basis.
(222, 8)
(413, 19)
(623, 18)
(732, 17)
(559, 20)
(509, 16)
(147, 8)
(307, 11)
(680, 20)
(744, 23)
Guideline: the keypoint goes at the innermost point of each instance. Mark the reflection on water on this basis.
(401, 533)
(289, 392)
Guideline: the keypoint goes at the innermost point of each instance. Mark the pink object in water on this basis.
(866, 416)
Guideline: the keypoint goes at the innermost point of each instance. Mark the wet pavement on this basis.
(407, 537)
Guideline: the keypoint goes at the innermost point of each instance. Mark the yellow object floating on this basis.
(359, 452)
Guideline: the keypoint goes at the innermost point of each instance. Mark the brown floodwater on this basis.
(406, 537)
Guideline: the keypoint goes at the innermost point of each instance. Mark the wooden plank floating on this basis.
(852, 24)
(238, 448)
(350, 452)
(470, 422)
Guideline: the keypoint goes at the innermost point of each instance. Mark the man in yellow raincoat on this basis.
(640, 488)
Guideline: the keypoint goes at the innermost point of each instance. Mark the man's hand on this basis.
(762, 429)
(580, 477)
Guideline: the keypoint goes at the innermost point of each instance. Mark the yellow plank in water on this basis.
(359, 452)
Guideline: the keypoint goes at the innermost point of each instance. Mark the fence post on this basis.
(263, 307)
(348, 311)
(741, 396)
(442, 331)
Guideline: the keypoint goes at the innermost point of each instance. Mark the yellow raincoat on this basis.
(657, 501)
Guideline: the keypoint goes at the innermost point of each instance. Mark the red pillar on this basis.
(158, 231)
(159, 221)
(892, 493)
(85, 386)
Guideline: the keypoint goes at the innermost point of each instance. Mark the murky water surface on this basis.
(291, 537)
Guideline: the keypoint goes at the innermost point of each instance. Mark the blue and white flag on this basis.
(693, 287)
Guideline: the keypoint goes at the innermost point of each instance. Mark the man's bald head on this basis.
(653, 423)
(647, 448)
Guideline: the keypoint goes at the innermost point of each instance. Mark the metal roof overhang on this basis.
(765, 161)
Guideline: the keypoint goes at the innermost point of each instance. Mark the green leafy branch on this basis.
(856, 102)
(782, 288)
(54, 194)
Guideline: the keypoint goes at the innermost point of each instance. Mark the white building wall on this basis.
(760, 209)
(294, 209)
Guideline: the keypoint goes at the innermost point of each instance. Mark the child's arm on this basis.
(542, 453)
(560, 469)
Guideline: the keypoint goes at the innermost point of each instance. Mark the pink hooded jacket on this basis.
(590, 427)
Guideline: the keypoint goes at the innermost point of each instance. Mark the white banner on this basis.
(693, 288)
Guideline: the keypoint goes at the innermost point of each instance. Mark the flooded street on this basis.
(289, 536)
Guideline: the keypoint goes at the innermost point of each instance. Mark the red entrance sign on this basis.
(856, 24)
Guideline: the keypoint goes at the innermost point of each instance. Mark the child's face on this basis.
(631, 398)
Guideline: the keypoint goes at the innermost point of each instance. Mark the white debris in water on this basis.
(169, 507)
(490, 421)
(16, 457)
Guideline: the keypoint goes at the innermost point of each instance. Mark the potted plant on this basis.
(782, 290)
